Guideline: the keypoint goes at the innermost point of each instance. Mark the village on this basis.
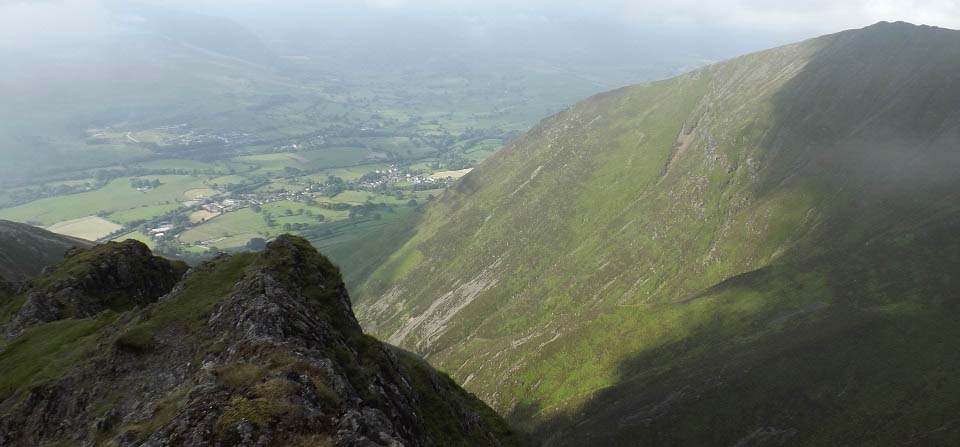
(392, 181)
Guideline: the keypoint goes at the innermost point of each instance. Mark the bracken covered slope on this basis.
(247, 350)
(760, 252)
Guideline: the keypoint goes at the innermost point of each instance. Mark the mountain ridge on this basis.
(247, 349)
(584, 244)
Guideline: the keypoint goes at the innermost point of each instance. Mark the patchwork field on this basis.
(228, 230)
(116, 196)
(142, 213)
(137, 236)
(90, 228)
(274, 164)
(451, 174)
(200, 193)
(201, 216)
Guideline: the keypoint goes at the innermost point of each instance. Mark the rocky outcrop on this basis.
(113, 276)
(249, 350)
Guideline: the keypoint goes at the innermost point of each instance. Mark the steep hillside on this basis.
(26, 250)
(247, 350)
(763, 250)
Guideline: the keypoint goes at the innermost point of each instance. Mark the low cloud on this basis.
(26, 24)
(790, 16)
(29, 22)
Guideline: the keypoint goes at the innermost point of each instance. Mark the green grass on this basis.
(45, 352)
(235, 229)
(228, 230)
(191, 307)
(145, 212)
(116, 196)
(349, 173)
(275, 164)
(360, 249)
(566, 263)
(351, 197)
(279, 209)
(190, 165)
(9, 306)
(228, 180)
(137, 236)
(444, 424)
(89, 228)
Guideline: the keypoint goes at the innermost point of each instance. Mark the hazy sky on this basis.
(804, 16)
(817, 16)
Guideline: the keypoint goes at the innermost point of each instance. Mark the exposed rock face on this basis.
(110, 276)
(249, 350)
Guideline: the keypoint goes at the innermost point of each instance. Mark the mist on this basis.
(75, 65)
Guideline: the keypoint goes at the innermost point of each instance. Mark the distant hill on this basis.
(26, 250)
(214, 34)
(760, 252)
(116, 346)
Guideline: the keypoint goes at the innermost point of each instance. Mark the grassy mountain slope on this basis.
(26, 250)
(592, 253)
(250, 349)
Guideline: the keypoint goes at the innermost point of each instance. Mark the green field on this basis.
(137, 236)
(91, 228)
(228, 180)
(275, 134)
(143, 212)
(116, 196)
(180, 163)
(349, 173)
(276, 164)
(228, 230)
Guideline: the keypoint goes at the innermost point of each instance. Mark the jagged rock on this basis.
(249, 350)
(113, 276)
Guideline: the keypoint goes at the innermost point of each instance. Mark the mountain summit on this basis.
(759, 252)
(246, 350)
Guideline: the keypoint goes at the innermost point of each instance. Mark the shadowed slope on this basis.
(26, 250)
(578, 247)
